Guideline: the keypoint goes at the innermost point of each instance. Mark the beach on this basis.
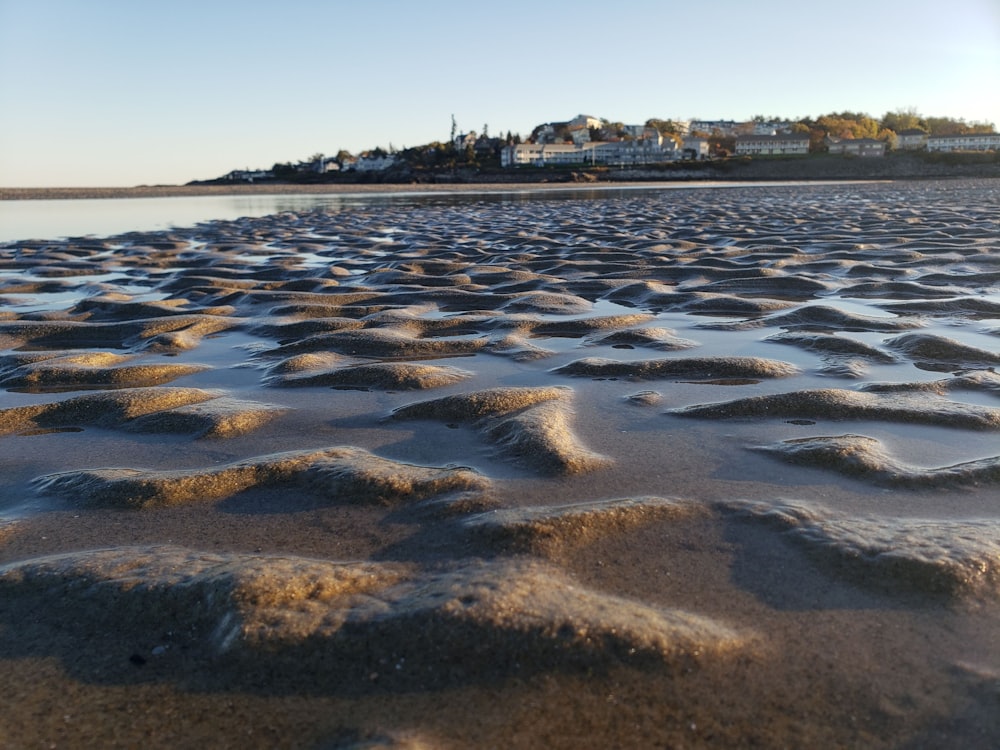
(683, 468)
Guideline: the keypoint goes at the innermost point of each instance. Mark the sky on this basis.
(145, 92)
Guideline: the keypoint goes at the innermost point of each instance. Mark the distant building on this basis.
(637, 152)
(862, 147)
(370, 163)
(616, 153)
(912, 139)
(722, 127)
(968, 142)
(465, 140)
(249, 175)
(584, 121)
(782, 144)
(579, 133)
(695, 148)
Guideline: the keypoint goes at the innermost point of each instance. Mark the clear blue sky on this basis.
(127, 92)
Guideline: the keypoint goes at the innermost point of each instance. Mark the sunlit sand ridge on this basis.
(705, 468)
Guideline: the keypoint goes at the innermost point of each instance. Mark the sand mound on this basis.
(546, 530)
(91, 370)
(370, 624)
(401, 376)
(542, 437)
(973, 307)
(701, 368)
(108, 308)
(838, 404)
(648, 338)
(646, 398)
(865, 457)
(952, 558)
(583, 326)
(493, 402)
(826, 318)
(833, 345)
(219, 418)
(104, 409)
(531, 425)
(383, 343)
(191, 411)
(548, 303)
(925, 347)
(985, 381)
(340, 475)
(176, 332)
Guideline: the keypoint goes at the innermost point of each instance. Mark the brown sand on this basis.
(685, 469)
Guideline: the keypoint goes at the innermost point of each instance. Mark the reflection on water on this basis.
(52, 219)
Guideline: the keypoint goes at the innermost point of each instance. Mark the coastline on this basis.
(170, 191)
(902, 167)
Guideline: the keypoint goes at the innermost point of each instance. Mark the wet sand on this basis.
(699, 468)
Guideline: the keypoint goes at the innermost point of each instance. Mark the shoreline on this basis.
(815, 170)
(171, 191)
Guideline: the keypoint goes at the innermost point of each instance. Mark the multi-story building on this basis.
(723, 127)
(783, 144)
(863, 147)
(912, 139)
(968, 142)
(643, 151)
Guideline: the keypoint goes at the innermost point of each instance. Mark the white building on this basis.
(584, 121)
(912, 139)
(369, 163)
(787, 144)
(969, 142)
(695, 148)
(541, 154)
(644, 151)
(723, 127)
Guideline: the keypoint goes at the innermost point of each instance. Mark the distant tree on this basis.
(664, 127)
(486, 130)
(951, 126)
(900, 120)
(848, 125)
(889, 136)
(342, 156)
(454, 128)
(284, 171)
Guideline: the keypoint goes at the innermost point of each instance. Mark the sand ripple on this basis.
(838, 404)
(145, 410)
(865, 457)
(340, 475)
(953, 558)
(531, 425)
(687, 367)
(372, 623)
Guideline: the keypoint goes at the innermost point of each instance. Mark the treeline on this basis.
(837, 125)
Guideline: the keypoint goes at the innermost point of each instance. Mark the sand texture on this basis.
(711, 467)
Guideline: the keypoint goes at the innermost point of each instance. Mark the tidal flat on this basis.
(700, 467)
